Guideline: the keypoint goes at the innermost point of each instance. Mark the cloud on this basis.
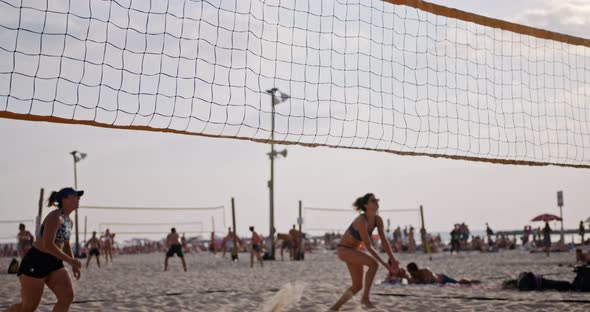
(571, 17)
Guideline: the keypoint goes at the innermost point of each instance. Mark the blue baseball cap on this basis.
(67, 191)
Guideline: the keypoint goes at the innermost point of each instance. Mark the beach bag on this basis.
(526, 281)
(582, 280)
(13, 267)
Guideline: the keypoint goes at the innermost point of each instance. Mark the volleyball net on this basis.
(319, 221)
(400, 76)
(9, 229)
(152, 222)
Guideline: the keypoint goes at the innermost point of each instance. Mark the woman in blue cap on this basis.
(43, 263)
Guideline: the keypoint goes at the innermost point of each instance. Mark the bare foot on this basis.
(367, 304)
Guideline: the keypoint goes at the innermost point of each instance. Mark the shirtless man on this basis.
(286, 244)
(582, 257)
(93, 246)
(213, 244)
(295, 248)
(25, 240)
(174, 247)
(426, 276)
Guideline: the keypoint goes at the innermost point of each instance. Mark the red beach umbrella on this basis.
(546, 217)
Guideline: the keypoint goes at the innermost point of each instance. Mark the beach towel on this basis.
(471, 286)
(528, 281)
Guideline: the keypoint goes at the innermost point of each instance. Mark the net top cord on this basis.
(348, 216)
(406, 77)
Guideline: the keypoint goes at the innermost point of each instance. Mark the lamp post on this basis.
(78, 156)
(274, 100)
(560, 204)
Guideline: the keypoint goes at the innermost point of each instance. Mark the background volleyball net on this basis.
(409, 78)
(318, 221)
(152, 222)
(9, 229)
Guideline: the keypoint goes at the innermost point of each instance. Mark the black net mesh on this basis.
(360, 74)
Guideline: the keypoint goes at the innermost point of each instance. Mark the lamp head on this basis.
(284, 97)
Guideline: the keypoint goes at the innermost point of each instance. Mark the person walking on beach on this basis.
(582, 231)
(397, 237)
(25, 240)
(489, 234)
(93, 246)
(547, 238)
(285, 244)
(43, 263)
(228, 241)
(213, 244)
(174, 247)
(108, 240)
(348, 250)
(256, 244)
(411, 241)
(456, 239)
(295, 238)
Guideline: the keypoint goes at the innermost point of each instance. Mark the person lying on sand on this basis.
(582, 257)
(401, 276)
(426, 276)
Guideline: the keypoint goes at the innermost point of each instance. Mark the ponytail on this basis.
(52, 201)
(361, 202)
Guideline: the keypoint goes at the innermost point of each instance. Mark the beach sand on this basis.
(138, 283)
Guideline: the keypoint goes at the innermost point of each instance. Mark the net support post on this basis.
(39, 212)
(300, 249)
(423, 234)
(234, 250)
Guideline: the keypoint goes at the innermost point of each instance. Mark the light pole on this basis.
(560, 204)
(274, 100)
(77, 157)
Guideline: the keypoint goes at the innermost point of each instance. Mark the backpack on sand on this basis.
(582, 280)
(13, 267)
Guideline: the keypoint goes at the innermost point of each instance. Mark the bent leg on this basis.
(260, 259)
(183, 263)
(356, 274)
(355, 260)
(60, 283)
(31, 292)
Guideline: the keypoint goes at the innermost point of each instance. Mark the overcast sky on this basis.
(148, 169)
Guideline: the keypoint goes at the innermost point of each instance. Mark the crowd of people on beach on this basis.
(43, 257)
(461, 239)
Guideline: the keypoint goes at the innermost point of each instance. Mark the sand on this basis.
(137, 283)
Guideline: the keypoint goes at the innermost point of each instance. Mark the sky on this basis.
(150, 169)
